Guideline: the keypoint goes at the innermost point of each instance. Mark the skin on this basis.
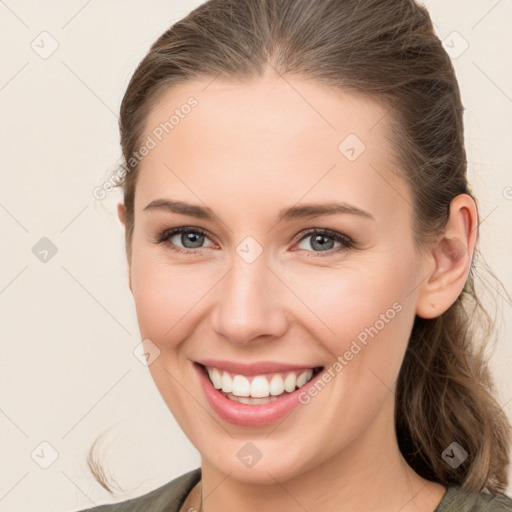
(248, 151)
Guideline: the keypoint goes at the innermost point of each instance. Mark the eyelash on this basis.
(347, 242)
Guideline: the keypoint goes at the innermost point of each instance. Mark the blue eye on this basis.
(324, 239)
(192, 239)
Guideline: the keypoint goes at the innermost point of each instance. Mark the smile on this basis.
(258, 389)
(254, 395)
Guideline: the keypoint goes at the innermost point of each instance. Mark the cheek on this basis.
(167, 300)
(166, 295)
(363, 314)
(353, 299)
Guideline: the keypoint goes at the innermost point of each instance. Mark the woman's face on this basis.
(258, 289)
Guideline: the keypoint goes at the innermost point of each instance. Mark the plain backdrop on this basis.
(68, 324)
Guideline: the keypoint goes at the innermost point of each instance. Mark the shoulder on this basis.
(458, 500)
(167, 498)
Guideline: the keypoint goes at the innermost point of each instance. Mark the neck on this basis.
(368, 474)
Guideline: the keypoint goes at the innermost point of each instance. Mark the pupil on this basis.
(192, 238)
(320, 239)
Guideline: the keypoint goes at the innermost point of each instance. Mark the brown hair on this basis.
(387, 50)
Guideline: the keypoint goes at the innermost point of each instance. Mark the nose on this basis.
(250, 304)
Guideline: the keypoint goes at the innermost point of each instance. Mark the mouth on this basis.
(255, 394)
(260, 388)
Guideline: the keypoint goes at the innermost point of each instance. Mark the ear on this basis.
(121, 213)
(449, 259)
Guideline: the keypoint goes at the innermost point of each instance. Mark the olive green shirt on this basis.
(171, 496)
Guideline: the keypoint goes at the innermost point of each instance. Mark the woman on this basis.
(300, 235)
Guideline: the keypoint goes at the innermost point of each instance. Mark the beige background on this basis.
(68, 325)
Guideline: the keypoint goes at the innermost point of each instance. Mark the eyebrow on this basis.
(303, 211)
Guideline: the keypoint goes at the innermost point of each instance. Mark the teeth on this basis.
(276, 385)
(241, 386)
(290, 382)
(226, 383)
(304, 377)
(215, 378)
(257, 387)
(250, 400)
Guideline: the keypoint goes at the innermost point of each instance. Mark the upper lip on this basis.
(254, 368)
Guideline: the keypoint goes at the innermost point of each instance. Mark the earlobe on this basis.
(449, 259)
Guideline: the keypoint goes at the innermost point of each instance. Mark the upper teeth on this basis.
(258, 386)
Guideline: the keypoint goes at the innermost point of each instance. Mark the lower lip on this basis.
(246, 415)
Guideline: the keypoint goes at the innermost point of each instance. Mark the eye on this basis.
(323, 240)
(192, 240)
(190, 237)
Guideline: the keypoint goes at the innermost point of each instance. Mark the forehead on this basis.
(273, 139)
(268, 109)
